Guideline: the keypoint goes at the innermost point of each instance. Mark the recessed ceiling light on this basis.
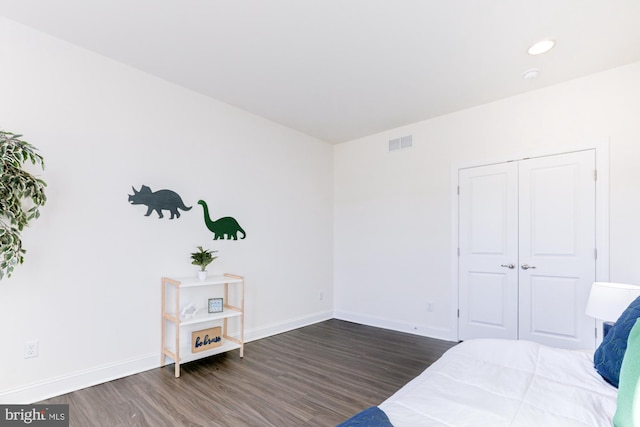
(531, 74)
(541, 47)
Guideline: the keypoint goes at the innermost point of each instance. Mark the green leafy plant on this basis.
(21, 196)
(203, 258)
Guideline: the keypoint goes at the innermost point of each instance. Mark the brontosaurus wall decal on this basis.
(158, 201)
(222, 227)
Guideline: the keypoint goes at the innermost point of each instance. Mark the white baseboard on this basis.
(289, 325)
(395, 325)
(57, 386)
(52, 387)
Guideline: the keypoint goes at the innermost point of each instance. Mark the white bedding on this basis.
(505, 383)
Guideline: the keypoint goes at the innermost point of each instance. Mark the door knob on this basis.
(511, 266)
(526, 266)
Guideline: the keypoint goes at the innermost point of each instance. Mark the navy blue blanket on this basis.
(370, 417)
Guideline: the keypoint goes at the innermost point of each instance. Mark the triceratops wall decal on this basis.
(158, 201)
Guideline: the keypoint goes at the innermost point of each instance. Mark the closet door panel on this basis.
(488, 243)
(556, 248)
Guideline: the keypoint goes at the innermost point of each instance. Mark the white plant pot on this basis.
(202, 275)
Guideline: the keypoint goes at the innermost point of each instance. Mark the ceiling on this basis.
(343, 69)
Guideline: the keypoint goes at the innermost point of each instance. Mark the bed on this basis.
(505, 383)
(493, 383)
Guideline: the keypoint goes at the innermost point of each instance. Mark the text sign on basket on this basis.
(206, 339)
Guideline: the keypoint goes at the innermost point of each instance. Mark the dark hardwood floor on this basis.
(318, 375)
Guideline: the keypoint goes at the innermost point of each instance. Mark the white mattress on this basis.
(505, 383)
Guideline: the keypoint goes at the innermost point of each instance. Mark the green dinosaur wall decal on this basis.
(222, 227)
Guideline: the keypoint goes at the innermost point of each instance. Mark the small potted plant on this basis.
(202, 258)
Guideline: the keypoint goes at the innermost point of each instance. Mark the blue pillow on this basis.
(370, 417)
(608, 356)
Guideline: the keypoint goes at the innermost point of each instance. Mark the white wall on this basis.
(394, 212)
(89, 290)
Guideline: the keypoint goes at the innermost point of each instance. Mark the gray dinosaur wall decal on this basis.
(158, 201)
(222, 227)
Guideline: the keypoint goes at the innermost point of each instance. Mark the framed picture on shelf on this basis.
(216, 305)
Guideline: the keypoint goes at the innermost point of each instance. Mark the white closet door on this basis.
(488, 263)
(557, 249)
(537, 216)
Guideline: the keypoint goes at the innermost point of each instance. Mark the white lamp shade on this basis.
(607, 300)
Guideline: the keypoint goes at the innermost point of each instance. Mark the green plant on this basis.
(203, 258)
(21, 196)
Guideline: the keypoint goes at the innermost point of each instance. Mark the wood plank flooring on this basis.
(318, 375)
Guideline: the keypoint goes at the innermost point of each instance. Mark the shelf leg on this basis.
(242, 320)
(162, 356)
(177, 311)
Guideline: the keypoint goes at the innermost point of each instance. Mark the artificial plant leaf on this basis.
(16, 185)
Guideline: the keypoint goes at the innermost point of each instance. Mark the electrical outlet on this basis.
(321, 295)
(30, 349)
(429, 306)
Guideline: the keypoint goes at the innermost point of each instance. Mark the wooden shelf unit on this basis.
(176, 350)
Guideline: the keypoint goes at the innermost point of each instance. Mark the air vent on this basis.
(394, 144)
(401, 143)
